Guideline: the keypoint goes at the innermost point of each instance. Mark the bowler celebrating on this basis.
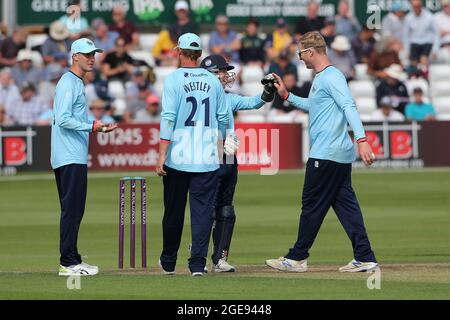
(193, 109)
(328, 170)
(69, 154)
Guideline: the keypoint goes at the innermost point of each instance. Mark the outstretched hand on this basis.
(281, 87)
(99, 126)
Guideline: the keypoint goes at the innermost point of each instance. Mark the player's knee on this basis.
(225, 213)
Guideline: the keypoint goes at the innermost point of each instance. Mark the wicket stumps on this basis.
(122, 188)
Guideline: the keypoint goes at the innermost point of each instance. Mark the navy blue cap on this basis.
(214, 63)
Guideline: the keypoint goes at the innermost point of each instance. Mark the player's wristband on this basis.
(362, 140)
(164, 141)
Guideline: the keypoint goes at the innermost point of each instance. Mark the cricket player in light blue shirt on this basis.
(69, 153)
(194, 109)
(328, 170)
(224, 213)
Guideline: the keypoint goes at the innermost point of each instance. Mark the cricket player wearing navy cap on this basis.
(224, 214)
(328, 170)
(69, 154)
(193, 111)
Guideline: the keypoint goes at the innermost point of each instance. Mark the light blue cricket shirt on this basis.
(331, 108)
(70, 126)
(194, 108)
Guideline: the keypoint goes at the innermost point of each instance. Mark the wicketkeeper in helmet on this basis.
(224, 215)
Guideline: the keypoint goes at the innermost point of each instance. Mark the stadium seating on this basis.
(120, 106)
(439, 72)
(304, 74)
(362, 88)
(147, 41)
(440, 88)
(361, 72)
(142, 55)
(442, 105)
(418, 83)
(366, 105)
(34, 40)
(251, 74)
(161, 73)
(116, 90)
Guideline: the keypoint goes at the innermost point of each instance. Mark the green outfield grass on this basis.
(407, 216)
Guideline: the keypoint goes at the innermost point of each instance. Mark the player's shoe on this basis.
(198, 274)
(84, 264)
(288, 265)
(358, 266)
(77, 270)
(223, 266)
(168, 273)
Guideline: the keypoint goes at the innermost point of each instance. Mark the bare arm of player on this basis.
(163, 145)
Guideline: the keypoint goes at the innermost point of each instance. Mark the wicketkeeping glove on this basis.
(269, 88)
(231, 145)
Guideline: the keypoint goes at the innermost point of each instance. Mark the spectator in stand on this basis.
(252, 45)
(134, 106)
(364, 45)
(224, 39)
(98, 111)
(386, 113)
(421, 37)
(10, 47)
(342, 57)
(418, 110)
(151, 113)
(61, 59)
(5, 121)
(27, 109)
(346, 24)
(57, 42)
(443, 25)
(281, 40)
(283, 65)
(126, 29)
(138, 80)
(96, 88)
(328, 32)
(8, 90)
(393, 23)
(392, 86)
(163, 51)
(311, 22)
(103, 38)
(24, 71)
(77, 25)
(283, 110)
(184, 24)
(118, 65)
(47, 88)
(386, 53)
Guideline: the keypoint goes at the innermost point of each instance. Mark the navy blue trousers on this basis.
(227, 178)
(202, 189)
(71, 181)
(328, 184)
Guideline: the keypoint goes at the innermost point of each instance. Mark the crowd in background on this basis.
(410, 38)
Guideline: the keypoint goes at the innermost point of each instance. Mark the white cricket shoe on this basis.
(84, 264)
(358, 266)
(288, 265)
(168, 273)
(198, 274)
(223, 266)
(77, 270)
